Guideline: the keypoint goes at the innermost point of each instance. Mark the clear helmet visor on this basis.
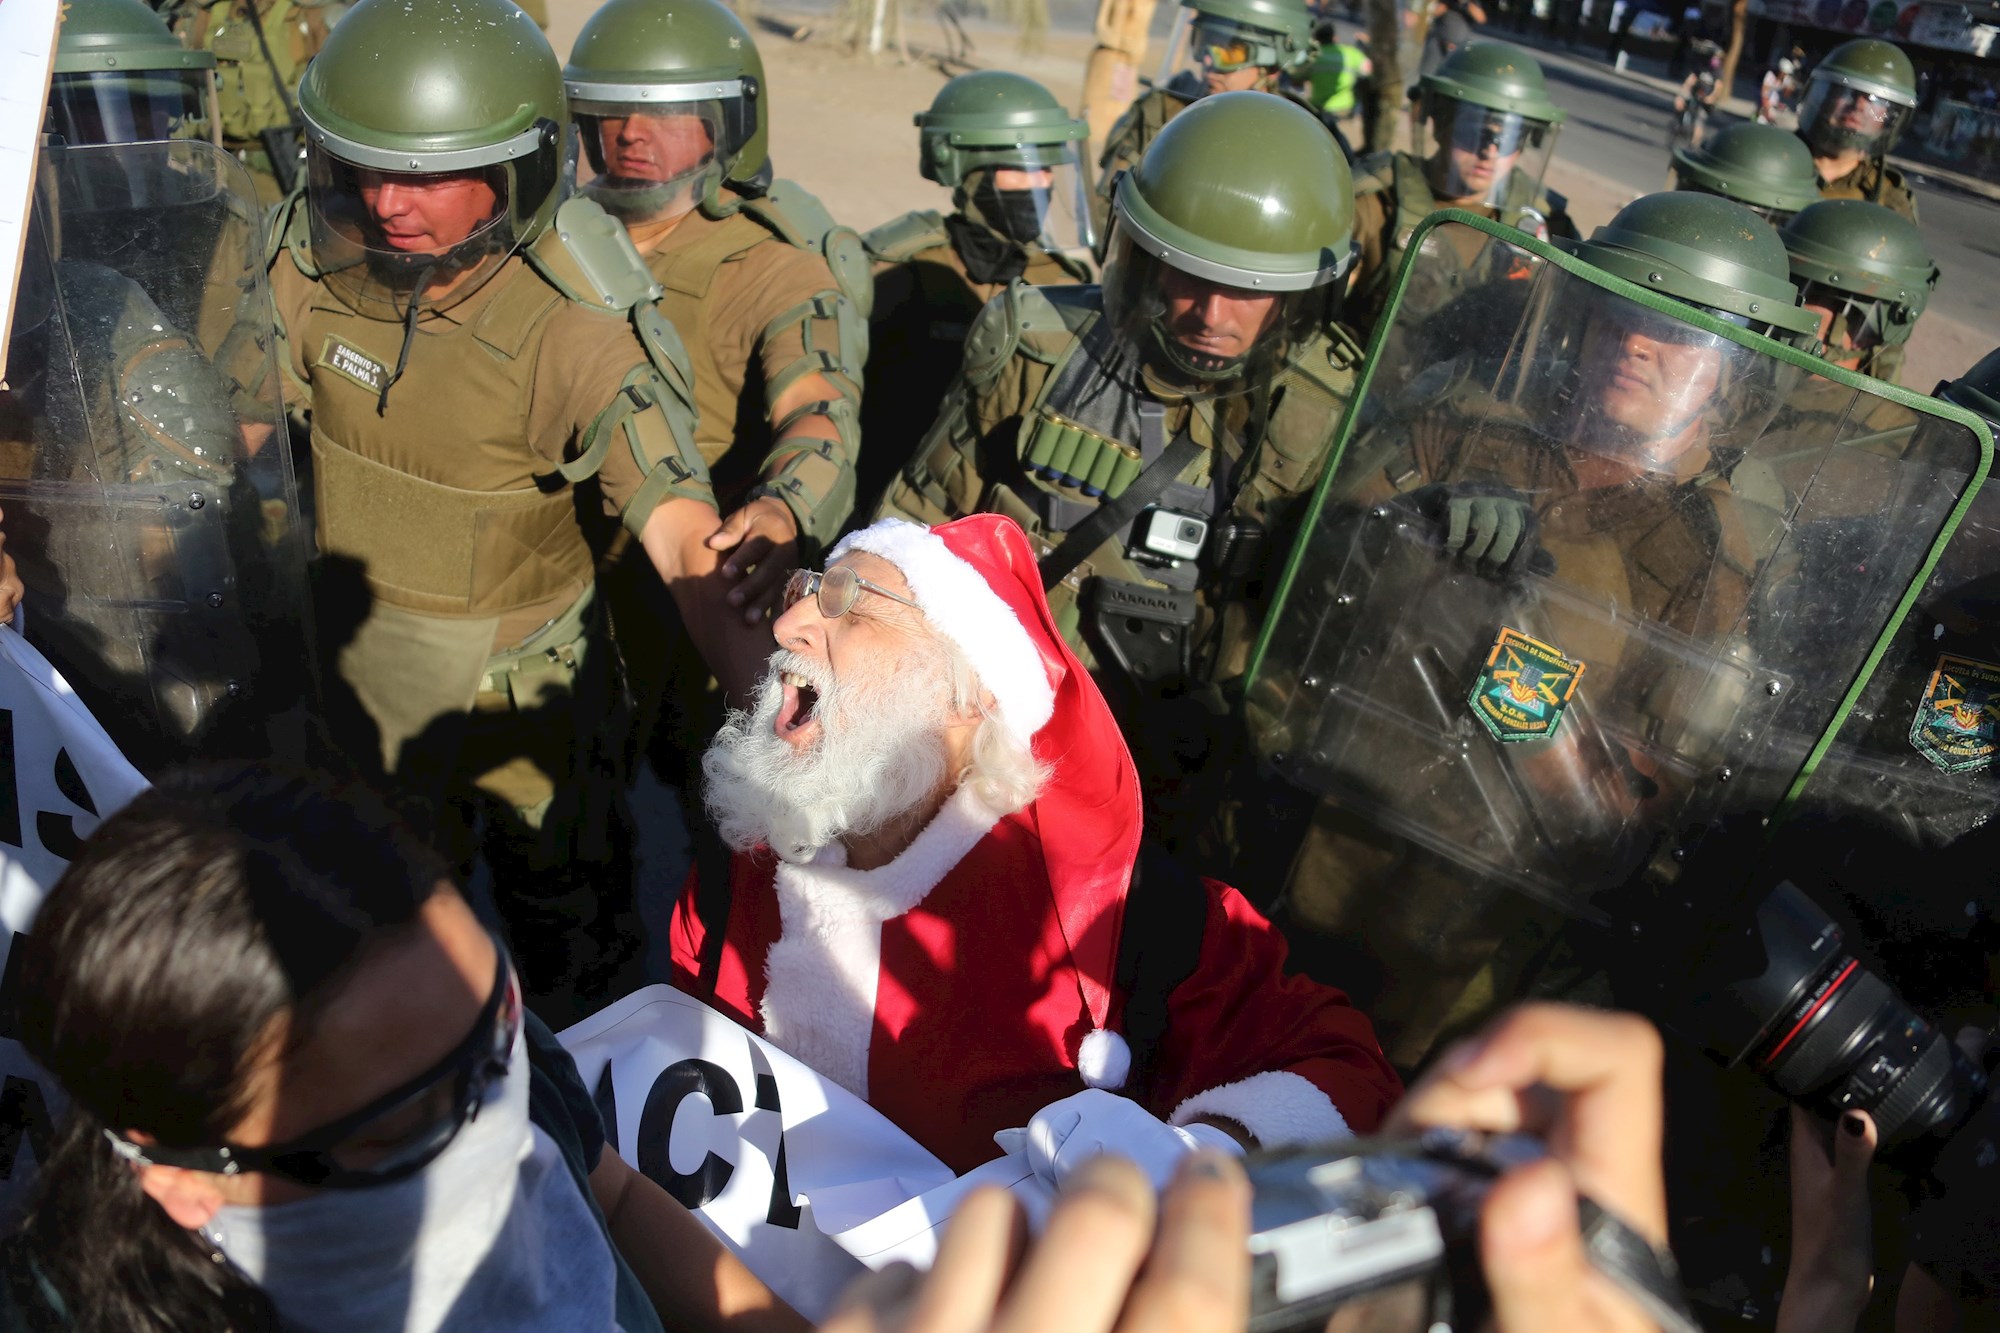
(1834, 118)
(105, 107)
(387, 241)
(1647, 387)
(1477, 156)
(653, 161)
(1195, 336)
(1035, 196)
(1852, 325)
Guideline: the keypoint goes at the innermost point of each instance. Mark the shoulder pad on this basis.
(801, 220)
(900, 238)
(1374, 172)
(287, 229)
(587, 256)
(1185, 86)
(1020, 312)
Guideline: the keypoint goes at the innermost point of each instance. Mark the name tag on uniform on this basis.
(344, 359)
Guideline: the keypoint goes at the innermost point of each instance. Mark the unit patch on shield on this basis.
(1957, 726)
(1525, 687)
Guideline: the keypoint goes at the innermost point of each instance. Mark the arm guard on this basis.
(647, 418)
(812, 475)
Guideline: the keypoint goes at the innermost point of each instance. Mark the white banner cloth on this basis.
(59, 776)
(803, 1180)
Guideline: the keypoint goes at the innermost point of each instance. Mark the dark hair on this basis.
(211, 905)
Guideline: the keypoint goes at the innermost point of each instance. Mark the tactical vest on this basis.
(947, 291)
(1401, 177)
(246, 82)
(1075, 449)
(787, 214)
(1878, 183)
(490, 526)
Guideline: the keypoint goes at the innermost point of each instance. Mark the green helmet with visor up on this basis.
(1009, 152)
(1224, 37)
(1766, 169)
(668, 97)
(434, 149)
(121, 76)
(1229, 240)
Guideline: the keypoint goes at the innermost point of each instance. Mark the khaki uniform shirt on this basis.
(724, 313)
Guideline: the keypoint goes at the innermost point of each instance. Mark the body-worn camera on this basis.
(1381, 1235)
(1168, 536)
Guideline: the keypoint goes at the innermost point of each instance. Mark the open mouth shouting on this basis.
(797, 722)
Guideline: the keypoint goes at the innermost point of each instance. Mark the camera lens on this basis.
(1191, 532)
(1850, 1043)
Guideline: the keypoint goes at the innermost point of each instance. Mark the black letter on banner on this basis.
(10, 988)
(58, 831)
(22, 1108)
(676, 1083)
(10, 792)
(783, 1212)
(607, 1106)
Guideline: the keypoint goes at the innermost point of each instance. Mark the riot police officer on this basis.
(1856, 103)
(1007, 150)
(1516, 645)
(261, 49)
(471, 352)
(769, 295)
(1489, 131)
(1767, 170)
(1231, 46)
(1157, 435)
(121, 76)
(1867, 274)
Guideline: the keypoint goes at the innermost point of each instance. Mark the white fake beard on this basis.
(879, 753)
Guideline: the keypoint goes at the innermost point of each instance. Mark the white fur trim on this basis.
(1103, 1058)
(958, 600)
(822, 975)
(1280, 1108)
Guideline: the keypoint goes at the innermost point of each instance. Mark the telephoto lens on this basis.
(1826, 1031)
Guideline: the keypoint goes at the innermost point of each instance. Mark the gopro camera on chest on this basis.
(1168, 536)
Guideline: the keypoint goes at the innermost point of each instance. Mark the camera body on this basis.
(1164, 536)
(1382, 1234)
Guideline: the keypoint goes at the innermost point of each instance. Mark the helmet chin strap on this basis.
(655, 201)
(1197, 366)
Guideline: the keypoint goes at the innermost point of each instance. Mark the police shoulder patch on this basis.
(1957, 724)
(1524, 688)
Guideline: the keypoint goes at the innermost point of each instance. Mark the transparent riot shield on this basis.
(145, 476)
(1592, 575)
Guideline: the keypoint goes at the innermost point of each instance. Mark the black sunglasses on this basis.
(355, 1152)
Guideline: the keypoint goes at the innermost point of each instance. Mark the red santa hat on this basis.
(979, 585)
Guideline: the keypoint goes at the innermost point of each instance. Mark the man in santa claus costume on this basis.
(932, 896)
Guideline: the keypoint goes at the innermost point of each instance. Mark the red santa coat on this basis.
(977, 1014)
(962, 987)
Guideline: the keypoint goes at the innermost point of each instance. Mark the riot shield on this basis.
(146, 480)
(1595, 574)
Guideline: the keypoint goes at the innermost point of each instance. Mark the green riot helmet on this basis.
(1645, 374)
(1235, 45)
(1008, 151)
(121, 76)
(1864, 270)
(1858, 98)
(434, 149)
(1766, 169)
(1490, 128)
(668, 97)
(1229, 242)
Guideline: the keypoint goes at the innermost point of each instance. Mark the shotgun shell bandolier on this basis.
(1148, 472)
(534, 356)
(753, 242)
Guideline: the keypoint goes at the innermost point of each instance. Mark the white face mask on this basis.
(493, 1235)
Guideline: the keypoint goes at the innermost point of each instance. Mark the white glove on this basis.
(1066, 1134)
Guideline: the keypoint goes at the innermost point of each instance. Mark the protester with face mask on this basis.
(304, 1093)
